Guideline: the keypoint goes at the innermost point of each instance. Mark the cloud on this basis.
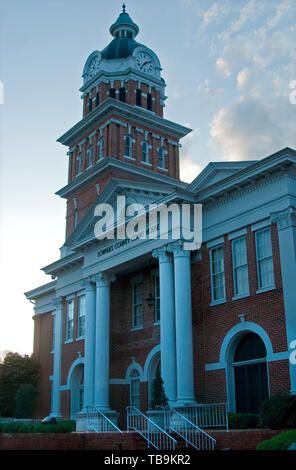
(243, 77)
(222, 67)
(253, 128)
(189, 166)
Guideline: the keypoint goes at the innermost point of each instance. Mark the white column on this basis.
(184, 342)
(286, 223)
(56, 383)
(102, 359)
(167, 323)
(90, 342)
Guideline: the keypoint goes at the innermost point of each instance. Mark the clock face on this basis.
(93, 68)
(144, 62)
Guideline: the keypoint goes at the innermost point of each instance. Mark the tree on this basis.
(25, 401)
(15, 370)
(159, 397)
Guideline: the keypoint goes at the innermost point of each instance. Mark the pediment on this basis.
(134, 192)
(215, 172)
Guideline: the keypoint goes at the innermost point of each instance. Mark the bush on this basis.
(280, 442)
(25, 400)
(242, 420)
(66, 426)
(278, 412)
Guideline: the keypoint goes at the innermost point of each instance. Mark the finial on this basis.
(123, 7)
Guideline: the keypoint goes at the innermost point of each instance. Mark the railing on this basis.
(187, 430)
(98, 422)
(206, 416)
(150, 431)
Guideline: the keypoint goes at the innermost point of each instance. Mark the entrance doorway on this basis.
(250, 373)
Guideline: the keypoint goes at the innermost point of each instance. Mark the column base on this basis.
(183, 403)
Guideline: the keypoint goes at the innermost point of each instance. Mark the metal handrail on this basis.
(187, 430)
(150, 431)
(211, 415)
(103, 423)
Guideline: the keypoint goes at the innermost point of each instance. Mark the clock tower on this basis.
(122, 132)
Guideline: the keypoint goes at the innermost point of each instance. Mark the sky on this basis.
(229, 68)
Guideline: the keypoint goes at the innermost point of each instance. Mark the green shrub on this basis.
(280, 442)
(65, 426)
(278, 412)
(25, 401)
(242, 420)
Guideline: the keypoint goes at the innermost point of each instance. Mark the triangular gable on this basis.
(217, 171)
(134, 192)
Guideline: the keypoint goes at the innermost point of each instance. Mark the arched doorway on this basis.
(250, 373)
(77, 390)
(153, 366)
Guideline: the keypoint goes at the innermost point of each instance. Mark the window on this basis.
(112, 92)
(157, 299)
(97, 99)
(136, 304)
(217, 273)
(145, 152)
(79, 164)
(128, 146)
(70, 320)
(135, 388)
(149, 101)
(89, 104)
(90, 155)
(161, 159)
(101, 148)
(240, 266)
(138, 97)
(81, 315)
(122, 94)
(264, 258)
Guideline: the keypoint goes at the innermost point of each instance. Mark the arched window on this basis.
(112, 92)
(135, 397)
(128, 146)
(77, 390)
(250, 373)
(145, 152)
(122, 94)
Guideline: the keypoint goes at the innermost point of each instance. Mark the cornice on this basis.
(41, 291)
(109, 107)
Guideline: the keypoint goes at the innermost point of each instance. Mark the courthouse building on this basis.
(219, 320)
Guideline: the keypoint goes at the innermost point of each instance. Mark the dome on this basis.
(120, 47)
(124, 25)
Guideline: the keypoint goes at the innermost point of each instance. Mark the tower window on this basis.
(79, 164)
(112, 92)
(122, 94)
(138, 97)
(89, 105)
(90, 155)
(149, 101)
(97, 99)
(101, 148)
(145, 152)
(75, 201)
(128, 146)
(161, 158)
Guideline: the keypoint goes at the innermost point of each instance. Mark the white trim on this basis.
(150, 356)
(215, 242)
(259, 225)
(79, 360)
(237, 234)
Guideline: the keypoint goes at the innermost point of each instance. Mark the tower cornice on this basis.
(111, 107)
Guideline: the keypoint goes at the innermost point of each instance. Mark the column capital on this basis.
(88, 283)
(177, 248)
(162, 254)
(285, 218)
(58, 303)
(103, 279)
